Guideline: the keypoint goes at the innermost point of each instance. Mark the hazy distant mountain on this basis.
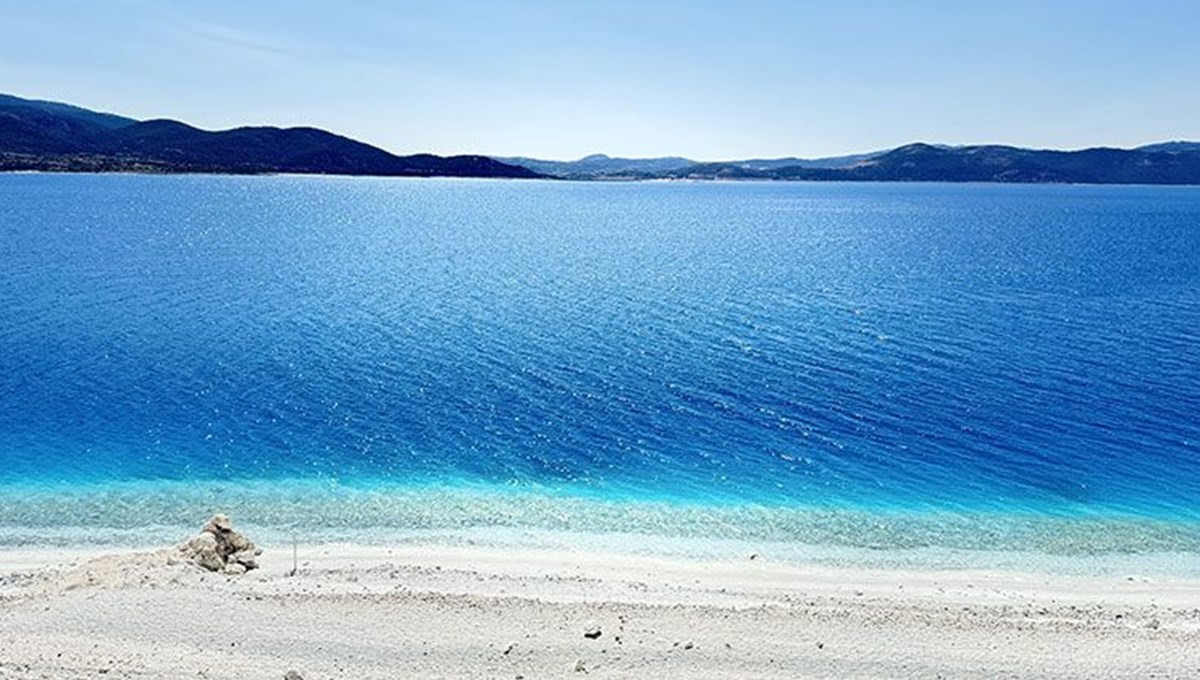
(831, 162)
(50, 136)
(1171, 147)
(1167, 163)
(931, 163)
(599, 166)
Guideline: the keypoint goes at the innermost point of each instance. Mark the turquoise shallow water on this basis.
(879, 367)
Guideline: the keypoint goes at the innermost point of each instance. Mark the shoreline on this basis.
(140, 514)
(1167, 565)
(607, 180)
(368, 611)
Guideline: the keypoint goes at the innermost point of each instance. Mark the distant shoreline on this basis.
(53, 136)
(596, 180)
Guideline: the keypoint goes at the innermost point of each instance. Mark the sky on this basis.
(709, 80)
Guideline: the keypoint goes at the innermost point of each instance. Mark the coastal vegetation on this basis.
(55, 137)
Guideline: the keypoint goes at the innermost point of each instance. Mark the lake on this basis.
(896, 365)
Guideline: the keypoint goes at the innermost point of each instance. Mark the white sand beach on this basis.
(488, 612)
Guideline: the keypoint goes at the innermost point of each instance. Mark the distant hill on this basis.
(831, 162)
(51, 136)
(1171, 147)
(600, 166)
(1166, 163)
(105, 120)
(1180, 164)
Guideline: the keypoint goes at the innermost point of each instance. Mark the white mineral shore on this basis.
(433, 611)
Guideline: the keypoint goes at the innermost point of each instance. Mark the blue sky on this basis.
(562, 78)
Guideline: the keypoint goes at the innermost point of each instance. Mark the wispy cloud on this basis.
(224, 38)
(221, 36)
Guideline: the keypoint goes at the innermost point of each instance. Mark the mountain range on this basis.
(600, 166)
(1165, 163)
(53, 136)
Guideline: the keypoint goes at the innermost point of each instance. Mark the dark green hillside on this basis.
(51, 137)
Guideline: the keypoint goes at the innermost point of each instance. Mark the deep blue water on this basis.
(980, 352)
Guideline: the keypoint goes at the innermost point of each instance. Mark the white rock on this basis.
(218, 524)
(204, 552)
(218, 547)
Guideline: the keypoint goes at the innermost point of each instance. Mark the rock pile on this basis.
(220, 548)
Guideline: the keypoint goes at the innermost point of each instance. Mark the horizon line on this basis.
(619, 156)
